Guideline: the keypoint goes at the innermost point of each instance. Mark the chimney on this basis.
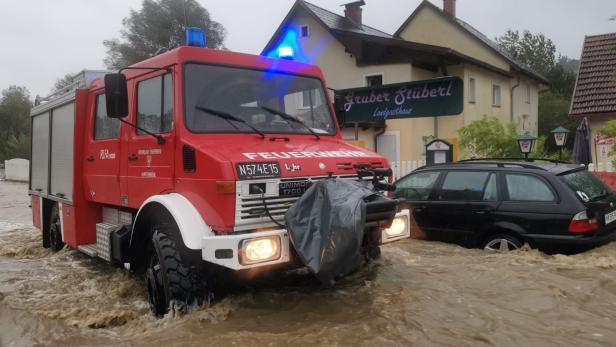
(352, 11)
(449, 6)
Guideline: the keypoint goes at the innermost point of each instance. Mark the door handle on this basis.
(482, 210)
(133, 157)
(419, 208)
(90, 158)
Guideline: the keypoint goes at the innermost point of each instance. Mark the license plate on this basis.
(293, 188)
(258, 170)
(610, 217)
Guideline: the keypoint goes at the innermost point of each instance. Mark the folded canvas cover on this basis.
(326, 227)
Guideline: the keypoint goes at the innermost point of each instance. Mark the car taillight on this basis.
(582, 224)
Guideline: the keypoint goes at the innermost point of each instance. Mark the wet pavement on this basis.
(418, 294)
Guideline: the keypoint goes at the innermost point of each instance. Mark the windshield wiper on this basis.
(602, 194)
(229, 117)
(291, 118)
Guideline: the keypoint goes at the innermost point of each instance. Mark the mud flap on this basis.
(326, 227)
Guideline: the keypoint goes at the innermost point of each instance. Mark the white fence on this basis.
(17, 169)
(601, 167)
(402, 168)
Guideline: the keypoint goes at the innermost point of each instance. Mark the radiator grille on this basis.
(250, 211)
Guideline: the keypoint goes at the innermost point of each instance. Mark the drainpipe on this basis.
(377, 134)
(511, 99)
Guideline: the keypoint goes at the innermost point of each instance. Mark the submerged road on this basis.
(419, 294)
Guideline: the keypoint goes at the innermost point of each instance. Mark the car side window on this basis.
(528, 188)
(417, 186)
(104, 127)
(155, 104)
(491, 191)
(464, 185)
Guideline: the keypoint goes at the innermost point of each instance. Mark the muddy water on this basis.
(420, 294)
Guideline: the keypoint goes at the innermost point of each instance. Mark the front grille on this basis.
(250, 211)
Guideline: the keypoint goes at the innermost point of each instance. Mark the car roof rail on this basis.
(530, 160)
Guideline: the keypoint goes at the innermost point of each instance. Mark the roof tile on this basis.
(595, 89)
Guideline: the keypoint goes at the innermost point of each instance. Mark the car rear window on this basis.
(586, 185)
(528, 188)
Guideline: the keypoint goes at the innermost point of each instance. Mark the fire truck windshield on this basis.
(247, 94)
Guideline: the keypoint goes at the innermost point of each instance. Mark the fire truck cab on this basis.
(187, 161)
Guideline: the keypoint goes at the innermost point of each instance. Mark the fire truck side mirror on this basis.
(116, 95)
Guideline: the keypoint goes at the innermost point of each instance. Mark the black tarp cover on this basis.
(326, 227)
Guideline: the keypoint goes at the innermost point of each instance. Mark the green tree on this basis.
(63, 82)
(554, 112)
(15, 107)
(488, 138)
(160, 24)
(535, 50)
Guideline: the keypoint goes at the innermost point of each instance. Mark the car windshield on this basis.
(248, 94)
(586, 185)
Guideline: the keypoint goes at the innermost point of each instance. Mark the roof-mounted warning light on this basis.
(285, 52)
(195, 37)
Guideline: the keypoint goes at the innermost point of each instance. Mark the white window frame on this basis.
(496, 103)
(373, 75)
(301, 30)
(472, 90)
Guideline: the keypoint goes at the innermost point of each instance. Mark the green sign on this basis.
(428, 98)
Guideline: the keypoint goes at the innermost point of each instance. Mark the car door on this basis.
(532, 204)
(415, 191)
(101, 161)
(150, 163)
(465, 201)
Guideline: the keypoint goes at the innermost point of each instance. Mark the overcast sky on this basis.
(42, 40)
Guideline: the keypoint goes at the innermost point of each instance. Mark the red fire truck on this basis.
(185, 163)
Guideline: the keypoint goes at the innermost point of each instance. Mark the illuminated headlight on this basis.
(259, 250)
(399, 228)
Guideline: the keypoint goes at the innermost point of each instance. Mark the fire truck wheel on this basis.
(172, 282)
(55, 230)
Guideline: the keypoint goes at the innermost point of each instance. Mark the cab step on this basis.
(90, 249)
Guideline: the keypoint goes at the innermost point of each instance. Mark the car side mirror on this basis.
(116, 95)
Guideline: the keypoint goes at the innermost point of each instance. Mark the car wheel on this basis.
(502, 243)
(55, 230)
(171, 280)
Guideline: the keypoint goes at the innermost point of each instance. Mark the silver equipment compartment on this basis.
(53, 135)
(62, 138)
(39, 177)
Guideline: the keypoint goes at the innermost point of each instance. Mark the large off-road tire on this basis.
(55, 230)
(171, 279)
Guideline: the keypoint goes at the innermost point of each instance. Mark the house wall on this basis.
(431, 28)
(341, 72)
(599, 153)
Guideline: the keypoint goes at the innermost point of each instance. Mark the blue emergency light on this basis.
(195, 37)
(285, 52)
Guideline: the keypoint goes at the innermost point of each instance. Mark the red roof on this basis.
(595, 89)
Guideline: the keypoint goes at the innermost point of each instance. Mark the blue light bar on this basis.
(195, 37)
(285, 52)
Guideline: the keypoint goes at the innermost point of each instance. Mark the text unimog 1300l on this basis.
(204, 179)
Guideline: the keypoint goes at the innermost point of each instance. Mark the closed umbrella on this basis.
(581, 147)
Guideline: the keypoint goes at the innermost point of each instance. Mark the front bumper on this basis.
(225, 250)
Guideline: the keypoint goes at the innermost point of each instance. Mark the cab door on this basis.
(149, 164)
(101, 161)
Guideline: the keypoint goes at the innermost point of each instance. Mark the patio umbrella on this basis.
(581, 147)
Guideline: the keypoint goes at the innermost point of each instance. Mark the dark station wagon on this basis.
(502, 204)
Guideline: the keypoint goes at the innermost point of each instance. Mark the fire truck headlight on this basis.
(398, 227)
(259, 250)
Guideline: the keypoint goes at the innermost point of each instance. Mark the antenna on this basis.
(185, 20)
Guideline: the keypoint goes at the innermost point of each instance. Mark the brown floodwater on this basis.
(418, 294)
